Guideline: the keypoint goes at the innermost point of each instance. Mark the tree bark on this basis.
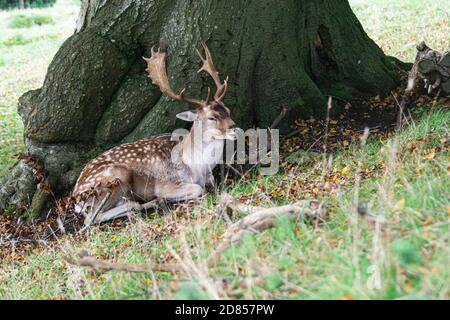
(277, 54)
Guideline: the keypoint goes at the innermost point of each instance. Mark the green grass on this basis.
(20, 40)
(26, 21)
(342, 259)
(397, 26)
(17, 40)
(25, 54)
(345, 258)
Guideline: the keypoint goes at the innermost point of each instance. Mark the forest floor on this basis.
(402, 174)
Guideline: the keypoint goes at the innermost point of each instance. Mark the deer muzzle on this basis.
(232, 134)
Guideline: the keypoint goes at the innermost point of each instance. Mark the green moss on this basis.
(37, 204)
(94, 152)
(11, 209)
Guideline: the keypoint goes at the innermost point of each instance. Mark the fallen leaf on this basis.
(408, 287)
(430, 155)
(346, 170)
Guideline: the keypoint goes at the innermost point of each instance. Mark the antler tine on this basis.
(224, 90)
(157, 72)
(208, 66)
(208, 98)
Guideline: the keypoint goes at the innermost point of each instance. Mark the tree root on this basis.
(257, 219)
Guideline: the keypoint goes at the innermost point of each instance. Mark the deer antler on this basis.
(208, 66)
(156, 68)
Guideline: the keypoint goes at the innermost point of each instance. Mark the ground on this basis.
(402, 175)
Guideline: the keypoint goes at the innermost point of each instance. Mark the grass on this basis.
(345, 258)
(403, 179)
(398, 26)
(27, 21)
(25, 54)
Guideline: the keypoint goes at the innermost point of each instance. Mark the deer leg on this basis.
(179, 192)
(93, 214)
(169, 192)
(124, 210)
(163, 205)
(114, 187)
(108, 209)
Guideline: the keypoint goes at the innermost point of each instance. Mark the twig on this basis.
(227, 201)
(401, 113)
(235, 170)
(291, 134)
(330, 104)
(7, 241)
(342, 100)
(280, 117)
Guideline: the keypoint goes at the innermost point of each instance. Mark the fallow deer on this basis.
(158, 167)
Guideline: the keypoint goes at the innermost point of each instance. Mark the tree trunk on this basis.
(277, 53)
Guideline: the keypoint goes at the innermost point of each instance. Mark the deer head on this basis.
(210, 116)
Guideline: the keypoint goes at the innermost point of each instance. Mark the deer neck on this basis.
(200, 155)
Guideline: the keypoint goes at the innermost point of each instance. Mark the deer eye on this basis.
(212, 119)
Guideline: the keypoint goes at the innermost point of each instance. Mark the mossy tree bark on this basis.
(277, 53)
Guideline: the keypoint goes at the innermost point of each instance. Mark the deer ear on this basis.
(188, 116)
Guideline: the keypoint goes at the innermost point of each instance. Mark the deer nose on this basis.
(232, 132)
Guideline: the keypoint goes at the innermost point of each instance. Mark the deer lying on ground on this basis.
(122, 178)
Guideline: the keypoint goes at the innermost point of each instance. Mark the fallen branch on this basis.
(260, 219)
